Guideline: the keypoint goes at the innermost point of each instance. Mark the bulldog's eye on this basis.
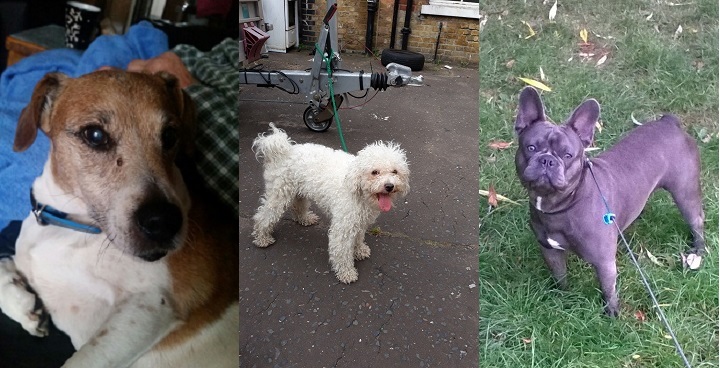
(95, 137)
(568, 155)
(168, 138)
(531, 148)
(375, 172)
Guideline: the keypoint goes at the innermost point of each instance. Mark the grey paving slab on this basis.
(415, 303)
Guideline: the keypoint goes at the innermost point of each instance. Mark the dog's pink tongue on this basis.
(384, 202)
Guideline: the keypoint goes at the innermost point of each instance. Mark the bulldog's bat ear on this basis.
(583, 120)
(530, 109)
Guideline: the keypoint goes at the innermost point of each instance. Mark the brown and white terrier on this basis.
(137, 265)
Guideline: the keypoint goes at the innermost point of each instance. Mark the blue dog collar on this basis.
(48, 215)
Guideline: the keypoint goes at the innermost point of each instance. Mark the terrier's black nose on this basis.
(159, 221)
(389, 187)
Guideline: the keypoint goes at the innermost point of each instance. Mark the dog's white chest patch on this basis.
(80, 278)
(538, 203)
(553, 243)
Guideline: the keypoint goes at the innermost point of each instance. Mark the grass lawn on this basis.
(650, 68)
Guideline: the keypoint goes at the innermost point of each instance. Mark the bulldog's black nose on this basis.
(548, 161)
(159, 221)
(389, 187)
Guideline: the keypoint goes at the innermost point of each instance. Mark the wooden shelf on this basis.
(23, 44)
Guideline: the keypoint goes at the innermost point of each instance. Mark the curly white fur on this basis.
(352, 190)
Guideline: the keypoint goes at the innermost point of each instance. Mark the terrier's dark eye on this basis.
(375, 172)
(531, 148)
(394, 171)
(168, 138)
(95, 137)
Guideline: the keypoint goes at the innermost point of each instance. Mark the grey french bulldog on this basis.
(566, 208)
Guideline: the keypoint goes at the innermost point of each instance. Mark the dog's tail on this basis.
(272, 146)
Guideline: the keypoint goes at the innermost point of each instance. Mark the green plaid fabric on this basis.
(216, 99)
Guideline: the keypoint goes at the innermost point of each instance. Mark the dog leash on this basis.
(609, 218)
(48, 215)
(326, 59)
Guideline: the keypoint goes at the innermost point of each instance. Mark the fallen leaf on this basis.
(584, 35)
(532, 31)
(599, 126)
(536, 84)
(500, 145)
(707, 138)
(542, 75)
(569, 60)
(553, 11)
(698, 64)
(652, 258)
(526, 340)
(635, 121)
(510, 63)
(636, 356)
(640, 315)
(492, 196)
(500, 197)
(678, 31)
(649, 16)
(601, 61)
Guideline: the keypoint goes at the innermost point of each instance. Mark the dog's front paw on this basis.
(18, 302)
(612, 307)
(307, 219)
(347, 275)
(692, 260)
(361, 252)
(30, 312)
(263, 241)
(612, 311)
(37, 323)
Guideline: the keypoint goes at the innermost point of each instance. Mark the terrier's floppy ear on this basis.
(36, 115)
(583, 119)
(530, 109)
(186, 112)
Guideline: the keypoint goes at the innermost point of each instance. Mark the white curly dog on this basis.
(352, 190)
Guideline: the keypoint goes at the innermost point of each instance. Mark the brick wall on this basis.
(308, 31)
(458, 41)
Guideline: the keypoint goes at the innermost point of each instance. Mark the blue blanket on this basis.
(19, 170)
